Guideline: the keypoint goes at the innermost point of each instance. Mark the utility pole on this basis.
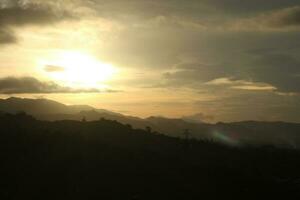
(187, 135)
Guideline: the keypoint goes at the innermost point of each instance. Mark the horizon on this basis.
(150, 99)
(213, 61)
(194, 119)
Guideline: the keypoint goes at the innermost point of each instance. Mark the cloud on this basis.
(6, 36)
(241, 84)
(285, 19)
(242, 105)
(197, 14)
(193, 74)
(258, 87)
(30, 85)
(278, 69)
(267, 70)
(220, 81)
(194, 8)
(30, 14)
(53, 68)
(18, 13)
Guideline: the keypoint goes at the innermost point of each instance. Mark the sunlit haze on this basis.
(79, 70)
(217, 60)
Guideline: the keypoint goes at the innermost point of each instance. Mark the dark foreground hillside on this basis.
(107, 160)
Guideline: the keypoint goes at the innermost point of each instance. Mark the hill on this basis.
(109, 160)
(281, 134)
(41, 106)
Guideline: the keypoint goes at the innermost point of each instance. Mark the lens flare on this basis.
(225, 138)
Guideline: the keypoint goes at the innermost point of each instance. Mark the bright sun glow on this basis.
(81, 70)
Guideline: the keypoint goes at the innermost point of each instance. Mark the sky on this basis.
(211, 60)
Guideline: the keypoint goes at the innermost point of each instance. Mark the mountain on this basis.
(42, 107)
(32, 106)
(281, 134)
(105, 159)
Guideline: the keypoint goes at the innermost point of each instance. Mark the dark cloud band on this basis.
(30, 85)
(20, 13)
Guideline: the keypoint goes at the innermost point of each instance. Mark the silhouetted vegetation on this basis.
(280, 134)
(108, 160)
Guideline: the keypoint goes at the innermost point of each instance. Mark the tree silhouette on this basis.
(108, 160)
(148, 129)
(187, 135)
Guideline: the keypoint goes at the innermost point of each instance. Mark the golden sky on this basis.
(219, 58)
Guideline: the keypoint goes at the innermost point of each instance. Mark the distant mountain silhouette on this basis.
(42, 107)
(238, 133)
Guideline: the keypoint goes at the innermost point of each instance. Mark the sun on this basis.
(81, 70)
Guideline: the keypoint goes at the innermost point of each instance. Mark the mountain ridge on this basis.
(105, 159)
(284, 134)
